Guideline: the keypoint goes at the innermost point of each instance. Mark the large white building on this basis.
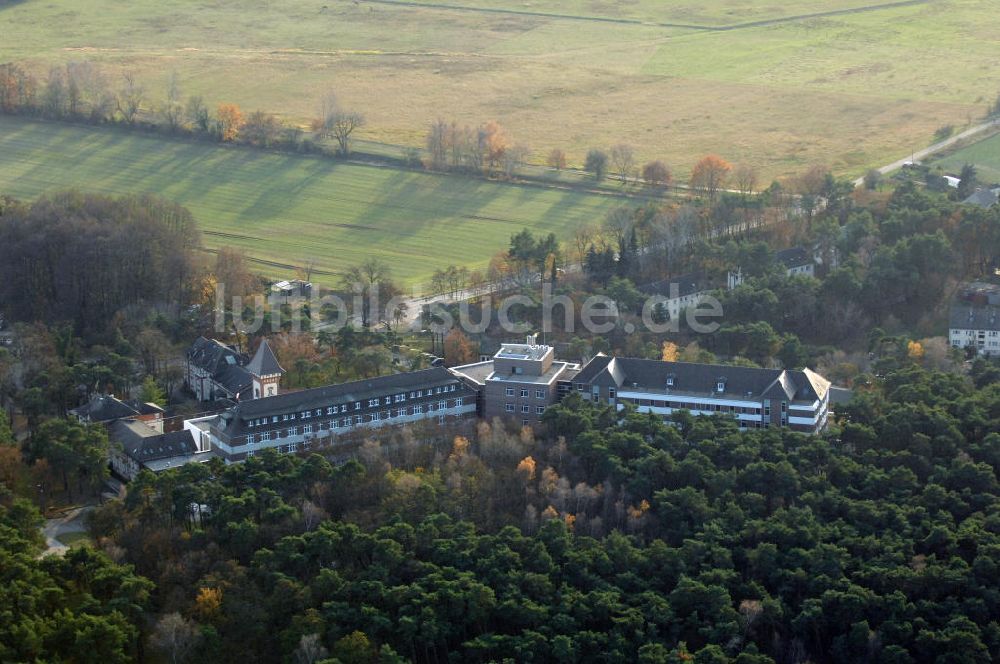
(755, 398)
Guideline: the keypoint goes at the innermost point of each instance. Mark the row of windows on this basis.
(525, 408)
(291, 448)
(343, 408)
(354, 420)
(683, 405)
(525, 393)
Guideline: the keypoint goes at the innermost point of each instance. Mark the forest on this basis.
(606, 538)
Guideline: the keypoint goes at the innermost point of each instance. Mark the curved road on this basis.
(932, 149)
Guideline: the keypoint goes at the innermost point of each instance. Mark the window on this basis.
(509, 407)
(525, 408)
(307, 428)
(284, 418)
(290, 432)
(539, 409)
(442, 405)
(357, 405)
(611, 393)
(331, 410)
(357, 419)
(292, 447)
(720, 386)
(372, 403)
(274, 419)
(250, 439)
(539, 394)
(292, 416)
(670, 381)
(249, 453)
(509, 391)
(524, 394)
(265, 436)
(451, 388)
(319, 411)
(413, 395)
(418, 409)
(388, 400)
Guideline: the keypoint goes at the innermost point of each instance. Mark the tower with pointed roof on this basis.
(265, 372)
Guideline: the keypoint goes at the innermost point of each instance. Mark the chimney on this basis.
(531, 339)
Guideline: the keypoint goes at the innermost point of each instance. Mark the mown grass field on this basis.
(293, 209)
(850, 91)
(984, 155)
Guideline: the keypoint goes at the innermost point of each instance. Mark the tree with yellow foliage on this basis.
(230, 119)
(670, 352)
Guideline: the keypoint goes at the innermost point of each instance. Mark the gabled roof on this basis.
(264, 363)
(970, 317)
(105, 408)
(704, 379)
(597, 364)
(986, 198)
(686, 284)
(212, 355)
(143, 443)
(329, 395)
(793, 257)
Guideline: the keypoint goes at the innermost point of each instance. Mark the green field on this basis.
(293, 209)
(984, 155)
(850, 91)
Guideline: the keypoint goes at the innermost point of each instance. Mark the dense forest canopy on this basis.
(609, 539)
(84, 257)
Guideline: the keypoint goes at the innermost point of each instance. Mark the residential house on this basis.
(683, 292)
(984, 198)
(796, 261)
(106, 409)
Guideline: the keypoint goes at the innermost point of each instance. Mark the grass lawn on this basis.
(984, 155)
(292, 209)
(75, 539)
(851, 91)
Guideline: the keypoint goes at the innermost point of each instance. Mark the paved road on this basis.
(937, 147)
(71, 522)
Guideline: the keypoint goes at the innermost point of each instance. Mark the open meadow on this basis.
(984, 155)
(770, 84)
(290, 209)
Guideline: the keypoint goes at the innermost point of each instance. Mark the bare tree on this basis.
(623, 159)
(437, 144)
(556, 159)
(175, 637)
(583, 238)
(172, 110)
(196, 113)
(310, 650)
(746, 179)
(131, 97)
(338, 123)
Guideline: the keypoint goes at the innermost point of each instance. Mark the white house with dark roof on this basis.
(796, 261)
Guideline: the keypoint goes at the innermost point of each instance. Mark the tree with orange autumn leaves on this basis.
(710, 175)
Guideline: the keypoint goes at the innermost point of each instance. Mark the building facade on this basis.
(297, 421)
(520, 382)
(755, 398)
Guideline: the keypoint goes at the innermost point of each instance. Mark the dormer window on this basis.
(720, 386)
(670, 381)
